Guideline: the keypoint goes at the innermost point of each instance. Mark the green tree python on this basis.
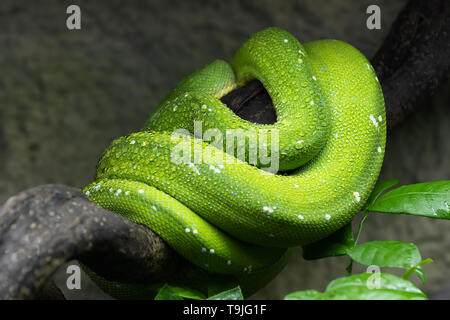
(236, 215)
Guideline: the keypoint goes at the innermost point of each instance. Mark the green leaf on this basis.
(188, 293)
(168, 292)
(417, 270)
(232, 294)
(379, 188)
(373, 286)
(386, 254)
(304, 295)
(364, 286)
(429, 199)
(334, 245)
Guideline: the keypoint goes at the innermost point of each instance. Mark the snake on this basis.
(239, 209)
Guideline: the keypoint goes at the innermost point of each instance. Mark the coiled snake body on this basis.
(229, 216)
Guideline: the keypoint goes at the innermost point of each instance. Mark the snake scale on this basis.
(229, 214)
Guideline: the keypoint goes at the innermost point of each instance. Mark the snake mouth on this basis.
(251, 102)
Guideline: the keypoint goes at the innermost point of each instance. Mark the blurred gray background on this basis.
(64, 95)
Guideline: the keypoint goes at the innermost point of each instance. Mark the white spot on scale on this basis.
(357, 197)
(327, 216)
(195, 231)
(374, 121)
(314, 78)
(141, 191)
(203, 249)
(187, 230)
(154, 208)
(211, 251)
(111, 189)
(97, 187)
(379, 149)
(88, 193)
(301, 217)
(132, 142)
(216, 170)
(286, 40)
(229, 262)
(380, 118)
(268, 209)
(127, 193)
(119, 191)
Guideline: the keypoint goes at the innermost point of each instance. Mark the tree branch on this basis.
(414, 58)
(44, 227)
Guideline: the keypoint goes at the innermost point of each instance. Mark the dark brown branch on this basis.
(44, 227)
(414, 59)
(252, 102)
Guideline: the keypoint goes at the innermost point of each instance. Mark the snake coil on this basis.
(223, 212)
